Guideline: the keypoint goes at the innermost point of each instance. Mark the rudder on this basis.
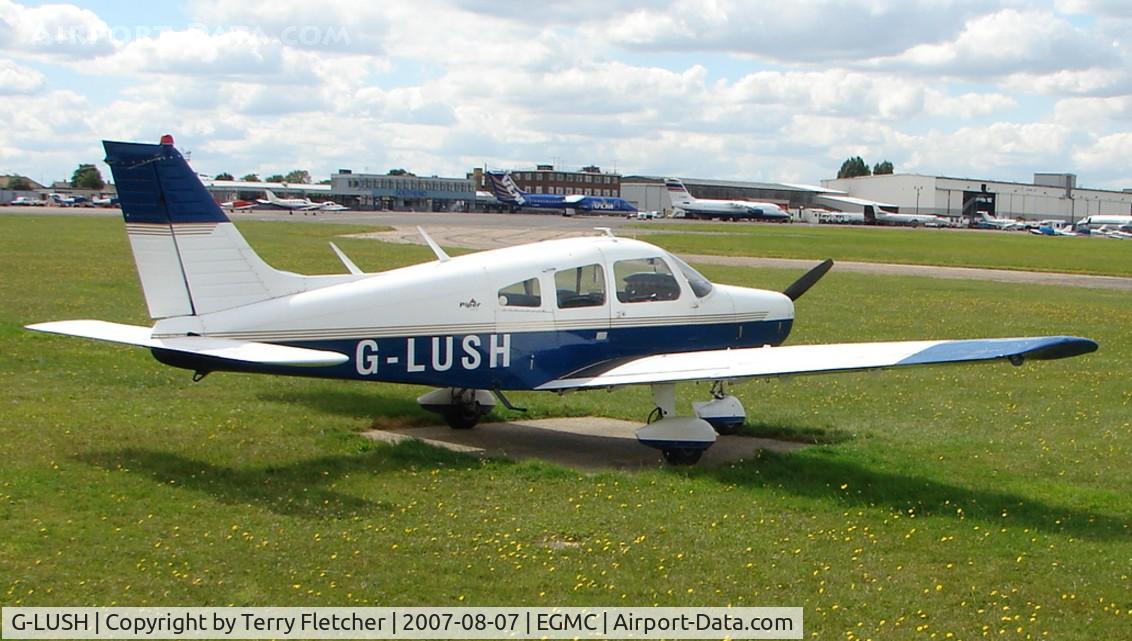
(191, 259)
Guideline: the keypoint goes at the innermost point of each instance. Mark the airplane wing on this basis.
(574, 199)
(223, 348)
(736, 364)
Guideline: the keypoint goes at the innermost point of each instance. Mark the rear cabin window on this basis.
(645, 280)
(524, 293)
(580, 286)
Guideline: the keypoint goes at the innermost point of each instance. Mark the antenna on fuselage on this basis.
(440, 254)
(607, 231)
(350, 266)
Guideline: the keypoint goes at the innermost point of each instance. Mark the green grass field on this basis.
(991, 249)
(946, 503)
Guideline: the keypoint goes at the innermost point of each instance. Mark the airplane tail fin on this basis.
(191, 259)
(505, 189)
(678, 192)
(270, 196)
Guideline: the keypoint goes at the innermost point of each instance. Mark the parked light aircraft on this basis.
(298, 204)
(237, 205)
(508, 193)
(70, 201)
(562, 315)
(990, 222)
(694, 207)
(1051, 229)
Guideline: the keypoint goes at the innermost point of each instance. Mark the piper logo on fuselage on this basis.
(469, 352)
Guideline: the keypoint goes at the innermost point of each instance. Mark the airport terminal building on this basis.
(1050, 196)
(383, 191)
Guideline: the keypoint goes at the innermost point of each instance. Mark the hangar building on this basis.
(1050, 196)
(225, 190)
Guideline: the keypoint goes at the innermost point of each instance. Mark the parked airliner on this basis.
(556, 316)
(693, 207)
(508, 193)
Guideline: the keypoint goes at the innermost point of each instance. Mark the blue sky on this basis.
(752, 90)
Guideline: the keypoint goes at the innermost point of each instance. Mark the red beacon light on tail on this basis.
(167, 139)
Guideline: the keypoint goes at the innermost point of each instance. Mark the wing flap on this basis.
(757, 362)
(222, 348)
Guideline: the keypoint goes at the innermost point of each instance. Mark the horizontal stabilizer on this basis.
(222, 348)
(734, 364)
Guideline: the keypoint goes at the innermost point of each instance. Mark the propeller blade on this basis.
(803, 284)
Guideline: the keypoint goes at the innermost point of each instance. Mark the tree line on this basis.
(856, 166)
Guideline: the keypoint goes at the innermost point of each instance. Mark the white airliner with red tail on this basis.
(692, 207)
(562, 315)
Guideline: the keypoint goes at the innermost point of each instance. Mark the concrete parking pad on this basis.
(586, 443)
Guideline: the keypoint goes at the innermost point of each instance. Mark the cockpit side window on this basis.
(580, 286)
(645, 280)
(525, 293)
(700, 286)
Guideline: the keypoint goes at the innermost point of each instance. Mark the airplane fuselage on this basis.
(509, 319)
(579, 203)
(733, 209)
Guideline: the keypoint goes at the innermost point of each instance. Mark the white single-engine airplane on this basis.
(298, 204)
(560, 315)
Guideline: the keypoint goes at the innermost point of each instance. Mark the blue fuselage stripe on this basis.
(504, 360)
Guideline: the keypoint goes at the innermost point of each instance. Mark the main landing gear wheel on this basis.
(460, 408)
(464, 416)
(682, 455)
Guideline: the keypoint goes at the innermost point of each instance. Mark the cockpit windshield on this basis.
(700, 286)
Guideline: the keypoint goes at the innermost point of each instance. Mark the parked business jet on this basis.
(508, 193)
(693, 207)
(556, 316)
(1103, 220)
(874, 215)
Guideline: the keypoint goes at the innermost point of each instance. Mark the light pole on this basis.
(918, 188)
